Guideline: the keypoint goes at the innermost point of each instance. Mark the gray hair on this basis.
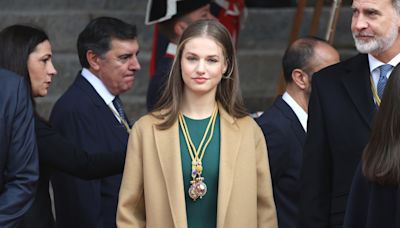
(396, 5)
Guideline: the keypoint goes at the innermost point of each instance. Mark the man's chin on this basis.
(365, 47)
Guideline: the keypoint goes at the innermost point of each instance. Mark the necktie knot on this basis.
(120, 108)
(384, 69)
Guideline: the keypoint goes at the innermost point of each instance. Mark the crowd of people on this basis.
(326, 153)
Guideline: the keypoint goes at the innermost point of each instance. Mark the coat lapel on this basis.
(167, 143)
(115, 127)
(230, 142)
(357, 84)
(295, 122)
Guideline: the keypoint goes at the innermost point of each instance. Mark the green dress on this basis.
(202, 212)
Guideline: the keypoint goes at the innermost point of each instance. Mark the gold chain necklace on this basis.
(375, 93)
(198, 187)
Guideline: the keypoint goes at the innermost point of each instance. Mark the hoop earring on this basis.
(228, 76)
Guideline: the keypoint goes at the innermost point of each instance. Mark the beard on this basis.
(376, 45)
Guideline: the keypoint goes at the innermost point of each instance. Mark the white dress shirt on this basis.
(297, 109)
(101, 89)
(374, 65)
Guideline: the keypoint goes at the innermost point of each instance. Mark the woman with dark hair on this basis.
(198, 160)
(27, 51)
(374, 200)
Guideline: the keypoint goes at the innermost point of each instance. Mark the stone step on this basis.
(261, 29)
(270, 28)
(63, 27)
(45, 5)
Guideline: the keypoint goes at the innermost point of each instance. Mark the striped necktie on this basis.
(384, 69)
(120, 109)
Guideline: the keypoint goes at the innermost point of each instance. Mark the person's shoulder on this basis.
(339, 68)
(8, 77)
(74, 98)
(246, 123)
(275, 112)
(148, 120)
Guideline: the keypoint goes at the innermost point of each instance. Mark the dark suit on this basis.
(57, 153)
(371, 205)
(285, 138)
(82, 116)
(159, 79)
(19, 166)
(340, 112)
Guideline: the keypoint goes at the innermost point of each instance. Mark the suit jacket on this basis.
(340, 112)
(152, 192)
(371, 205)
(19, 166)
(285, 138)
(55, 152)
(159, 79)
(83, 117)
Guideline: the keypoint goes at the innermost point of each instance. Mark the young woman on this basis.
(198, 160)
(374, 200)
(27, 51)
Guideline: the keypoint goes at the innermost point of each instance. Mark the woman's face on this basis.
(202, 64)
(41, 69)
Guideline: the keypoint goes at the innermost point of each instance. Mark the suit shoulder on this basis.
(9, 77)
(335, 71)
(74, 99)
(275, 115)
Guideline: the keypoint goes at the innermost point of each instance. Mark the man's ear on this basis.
(93, 60)
(300, 78)
(179, 27)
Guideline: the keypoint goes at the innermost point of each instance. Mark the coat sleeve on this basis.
(278, 150)
(57, 152)
(316, 174)
(358, 203)
(131, 208)
(22, 165)
(266, 212)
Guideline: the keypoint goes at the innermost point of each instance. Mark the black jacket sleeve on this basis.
(56, 152)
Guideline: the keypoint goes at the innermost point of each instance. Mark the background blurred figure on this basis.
(91, 115)
(19, 166)
(374, 199)
(26, 50)
(342, 104)
(198, 160)
(284, 124)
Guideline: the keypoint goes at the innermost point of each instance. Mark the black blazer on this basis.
(371, 205)
(285, 138)
(83, 117)
(55, 152)
(341, 109)
(19, 165)
(159, 79)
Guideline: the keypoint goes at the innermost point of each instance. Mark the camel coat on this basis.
(152, 189)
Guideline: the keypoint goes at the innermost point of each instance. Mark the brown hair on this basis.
(381, 157)
(228, 91)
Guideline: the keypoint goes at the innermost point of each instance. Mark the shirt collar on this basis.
(171, 49)
(297, 109)
(98, 85)
(375, 63)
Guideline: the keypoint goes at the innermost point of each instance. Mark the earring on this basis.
(228, 76)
